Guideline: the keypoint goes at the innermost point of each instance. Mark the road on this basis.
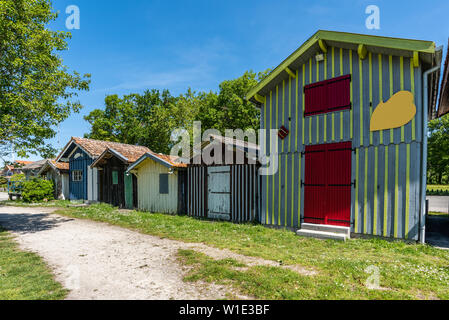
(438, 204)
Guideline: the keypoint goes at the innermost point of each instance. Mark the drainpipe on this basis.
(422, 217)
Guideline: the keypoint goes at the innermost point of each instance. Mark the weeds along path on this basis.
(99, 261)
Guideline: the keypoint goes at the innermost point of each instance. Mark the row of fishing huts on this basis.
(351, 113)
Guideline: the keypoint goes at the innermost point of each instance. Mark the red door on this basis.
(328, 184)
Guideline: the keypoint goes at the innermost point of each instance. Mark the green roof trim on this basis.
(419, 46)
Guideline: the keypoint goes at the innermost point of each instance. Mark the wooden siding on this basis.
(149, 198)
(385, 164)
(111, 193)
(78, 189)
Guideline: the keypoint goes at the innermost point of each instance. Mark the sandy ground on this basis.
(98, 261)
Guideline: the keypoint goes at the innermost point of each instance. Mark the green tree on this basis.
(149, 119)
(36, 89)
(438, 151)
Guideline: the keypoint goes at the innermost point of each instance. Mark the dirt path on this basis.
(99, 261)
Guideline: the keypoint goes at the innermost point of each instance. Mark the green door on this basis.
(129, 191)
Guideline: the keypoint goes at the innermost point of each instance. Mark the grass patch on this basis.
(409, 271)
(439, 214)
(438, 190)
(24, 275)
(49, 204)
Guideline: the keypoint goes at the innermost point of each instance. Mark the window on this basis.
(77, 175)
(114, 177)
(328, 96)
(163, 183)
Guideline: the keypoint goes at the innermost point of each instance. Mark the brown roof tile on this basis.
(96, 147)
(60, 165)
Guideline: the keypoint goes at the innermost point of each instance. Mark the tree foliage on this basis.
(36, 89)
(149, 119)
(438, 151)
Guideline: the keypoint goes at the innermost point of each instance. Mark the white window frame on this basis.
(77, 175)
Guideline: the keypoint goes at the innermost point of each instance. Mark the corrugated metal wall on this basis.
(380, 179)
(245, 189)
(197, 191)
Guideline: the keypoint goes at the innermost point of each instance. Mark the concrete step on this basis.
(327, 228)
(322, 235)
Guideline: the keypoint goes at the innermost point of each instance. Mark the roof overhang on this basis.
(443, 106)
(107, 154)
(418, 50)
(68, 149)
(150, 156)
(49, 165)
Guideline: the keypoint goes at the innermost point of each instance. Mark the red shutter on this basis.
(327, 187)
(328, 96)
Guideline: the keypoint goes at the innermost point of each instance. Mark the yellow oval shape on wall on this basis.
(395, 113)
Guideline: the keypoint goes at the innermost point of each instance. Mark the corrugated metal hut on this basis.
(355, 106)
(58, 172)
(225, 191)
(161, 183)
(116, 187)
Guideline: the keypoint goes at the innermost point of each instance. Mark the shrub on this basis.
(17, 177)
(37, 190)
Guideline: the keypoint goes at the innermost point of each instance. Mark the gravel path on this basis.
(98, 261)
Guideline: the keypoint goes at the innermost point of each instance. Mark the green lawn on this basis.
(23, 275)
(407, 271)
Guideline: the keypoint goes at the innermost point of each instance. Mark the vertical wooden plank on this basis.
(396, 194)
(356, 210)
(381, 136)
(385, 231)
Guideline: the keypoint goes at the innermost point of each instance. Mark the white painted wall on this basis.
(148, 188)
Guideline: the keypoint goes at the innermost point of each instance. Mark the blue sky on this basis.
(129, 46)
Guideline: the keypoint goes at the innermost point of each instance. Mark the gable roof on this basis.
(95, 148)
(423, 50)
(129, 156)
(165, 160)
(251, 150)
(34, 165)
(52, 164)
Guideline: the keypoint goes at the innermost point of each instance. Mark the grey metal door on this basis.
(219, 193)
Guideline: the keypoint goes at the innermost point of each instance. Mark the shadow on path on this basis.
(29, 223)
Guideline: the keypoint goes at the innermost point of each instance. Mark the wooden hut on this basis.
(161, 183)
(80, 153)
(58, 172)
(225, 189)
(357, 108)
(117, 187)
(31, 170)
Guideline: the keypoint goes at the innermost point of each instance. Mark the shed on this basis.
(227, 190)
(58, 172)
(116, 187)
(161, 183)
(80, 153)
(357, 108)
(32, 169)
